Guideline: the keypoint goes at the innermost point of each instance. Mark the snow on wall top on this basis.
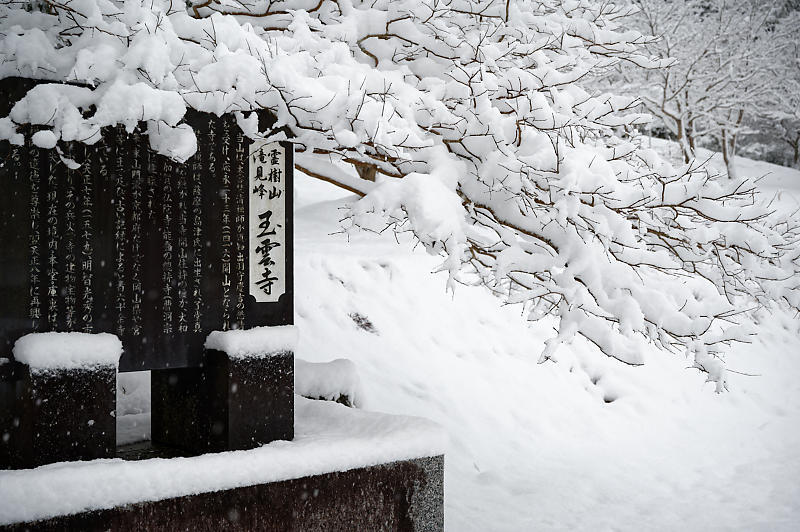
(328, 437)
(256, 342)
(67, 350)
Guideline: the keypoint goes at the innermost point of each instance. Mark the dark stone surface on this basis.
(252, 399)
(179, 408)
(228, 404)
(146, 449)
(11, 389)
(132, 243)
(61, 416)
(404, 496)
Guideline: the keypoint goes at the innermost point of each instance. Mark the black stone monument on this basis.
(159, 253)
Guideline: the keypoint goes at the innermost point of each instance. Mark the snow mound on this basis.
(258, 342)
(333, 381)
(67, 350)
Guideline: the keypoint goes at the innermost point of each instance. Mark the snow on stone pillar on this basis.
(241, 398)
(253, 392)
(66, 408)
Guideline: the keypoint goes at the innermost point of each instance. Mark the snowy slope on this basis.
(582, 443)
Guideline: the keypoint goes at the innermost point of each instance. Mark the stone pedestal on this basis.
(405, 496)
(228, 404)
(61, 415)
(178, 406)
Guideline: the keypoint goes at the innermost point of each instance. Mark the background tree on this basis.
(727, 65)
(779, 116)
(471, 118)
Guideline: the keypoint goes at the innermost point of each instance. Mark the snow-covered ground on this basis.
(582, 443)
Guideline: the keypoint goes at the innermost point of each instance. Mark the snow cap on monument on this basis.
(68, 350)
(256, 342)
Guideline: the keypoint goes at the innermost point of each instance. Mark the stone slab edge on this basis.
(406, 495)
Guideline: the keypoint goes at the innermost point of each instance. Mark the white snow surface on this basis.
(256, 342)
(67, 350)
(327, 380)
(581, 442)
(328, 437)
(133, 407)
(133, 428)
(133, 392)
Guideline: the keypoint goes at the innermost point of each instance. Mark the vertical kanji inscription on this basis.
(267, 224)
(35, 279)
(241, 178)
(227, 234)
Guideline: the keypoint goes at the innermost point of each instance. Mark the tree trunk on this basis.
(366, 171)
(680, 127)
(690, 136)
(727, 155)
(729, 145)
(685, 148)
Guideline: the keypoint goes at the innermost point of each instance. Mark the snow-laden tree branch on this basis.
(470, 120)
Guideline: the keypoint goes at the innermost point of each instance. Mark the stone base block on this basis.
(403, 496)
(11, 387)
(60, 415)
(228, 404)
